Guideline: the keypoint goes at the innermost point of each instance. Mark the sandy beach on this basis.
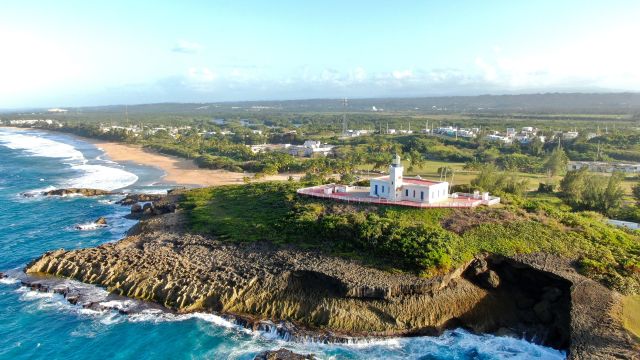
(177, 170)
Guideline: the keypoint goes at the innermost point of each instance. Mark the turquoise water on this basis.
(44, 326)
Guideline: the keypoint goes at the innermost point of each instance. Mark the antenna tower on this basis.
(345, 103)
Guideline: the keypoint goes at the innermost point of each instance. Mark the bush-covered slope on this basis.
(418, 240)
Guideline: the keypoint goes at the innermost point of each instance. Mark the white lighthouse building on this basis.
(396, 187)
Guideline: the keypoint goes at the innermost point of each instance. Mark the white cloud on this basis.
(187, 47)
(605, 59)
(402, 74)
(31, 63)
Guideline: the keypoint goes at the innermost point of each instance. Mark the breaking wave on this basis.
(105, 176)
(451, 344)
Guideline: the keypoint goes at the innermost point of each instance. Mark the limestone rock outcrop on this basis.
(282, 354)
(538, 296)
(76, 191)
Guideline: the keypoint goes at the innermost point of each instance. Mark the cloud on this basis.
(600, 59)
(402, 74)
(187, 47)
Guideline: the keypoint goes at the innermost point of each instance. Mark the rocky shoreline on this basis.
(308, 295)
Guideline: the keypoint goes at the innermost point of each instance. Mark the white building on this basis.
(498, 138)
(268, 147)
(310, 148)
(396, 187)
(605, 167)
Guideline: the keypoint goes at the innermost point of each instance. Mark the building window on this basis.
(406, 193)
(376, 190)
(421, 195)
(414, 194)
(383, 189)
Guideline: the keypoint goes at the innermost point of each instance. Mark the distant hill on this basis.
(563, 103)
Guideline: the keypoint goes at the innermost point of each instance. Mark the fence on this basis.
(318, 191)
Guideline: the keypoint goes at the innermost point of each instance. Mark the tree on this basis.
(536, 147)
(347, 178)
(573, 185)
(613, 193)
(490, 179)
(556, 162)
(587, 191)
(636, 193)
(445, 172)
(415, 160)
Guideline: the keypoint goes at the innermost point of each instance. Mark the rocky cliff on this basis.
(329, 298)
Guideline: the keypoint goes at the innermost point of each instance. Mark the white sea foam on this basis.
(39, 146)
(89, 226)
(90, 175)
(102, 177)
(9, 281)
(458, 342)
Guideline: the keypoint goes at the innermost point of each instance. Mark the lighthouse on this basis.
(395, 176)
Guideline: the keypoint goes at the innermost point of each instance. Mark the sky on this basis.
(80, 53)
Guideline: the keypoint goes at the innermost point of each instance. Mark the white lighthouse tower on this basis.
(395, 177)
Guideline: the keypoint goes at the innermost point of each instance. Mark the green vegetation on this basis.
(631, 314)
(586, 191)
(492, 180)
(216, 136)
(421, 241)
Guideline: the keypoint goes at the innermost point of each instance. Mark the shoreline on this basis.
(328, 299)
(177, 171)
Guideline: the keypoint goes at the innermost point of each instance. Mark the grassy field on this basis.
(423, 241)
(631, 314)
(429, 170)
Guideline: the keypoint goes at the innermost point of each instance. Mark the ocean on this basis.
(36, 325)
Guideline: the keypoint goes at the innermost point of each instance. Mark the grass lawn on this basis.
(631, 314)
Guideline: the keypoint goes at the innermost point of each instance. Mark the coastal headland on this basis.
(312, 294)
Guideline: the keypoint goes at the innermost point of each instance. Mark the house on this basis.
(570, 135)
(310, 148)
(268, 147)
(356, 133)
(498, 138)
(396, 187)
